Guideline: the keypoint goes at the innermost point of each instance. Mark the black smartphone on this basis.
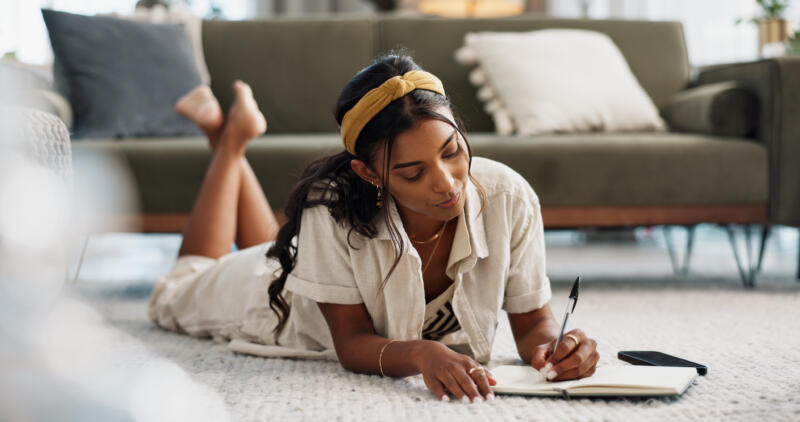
(652, 358)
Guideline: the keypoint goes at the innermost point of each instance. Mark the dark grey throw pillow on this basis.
(123, 77)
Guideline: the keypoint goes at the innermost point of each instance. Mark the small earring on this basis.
(379, 202)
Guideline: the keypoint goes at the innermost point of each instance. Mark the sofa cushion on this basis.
(169, 171)
(296, 67)
(634, 169)
(576, 170)
(123, 77)
(655, 51)
(556, 81)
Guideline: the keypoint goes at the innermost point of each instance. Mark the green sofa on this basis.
(298, 67)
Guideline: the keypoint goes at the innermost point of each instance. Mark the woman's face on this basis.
(429, 170)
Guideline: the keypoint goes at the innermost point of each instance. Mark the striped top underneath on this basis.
(439, 317)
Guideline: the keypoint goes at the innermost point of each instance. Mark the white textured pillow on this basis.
(557, 80)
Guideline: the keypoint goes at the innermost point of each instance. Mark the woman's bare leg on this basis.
(257, 222)
(211, 227)
(231, 204)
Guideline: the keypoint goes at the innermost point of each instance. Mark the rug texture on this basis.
(748, 339)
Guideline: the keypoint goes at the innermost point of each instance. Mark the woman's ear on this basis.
(364, 172)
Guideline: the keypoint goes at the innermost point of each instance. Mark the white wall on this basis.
(712, 35)
(23, 31)
(711, 32)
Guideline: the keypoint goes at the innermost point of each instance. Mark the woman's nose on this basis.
(443, 181)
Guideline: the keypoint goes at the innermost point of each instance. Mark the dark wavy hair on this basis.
(330, 181)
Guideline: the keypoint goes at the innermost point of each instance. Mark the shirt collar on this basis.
(469, 242)
(470, 233)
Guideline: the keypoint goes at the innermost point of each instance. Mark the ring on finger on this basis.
(574, 338)
(477, 368)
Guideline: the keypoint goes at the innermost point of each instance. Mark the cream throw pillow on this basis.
(557, 80)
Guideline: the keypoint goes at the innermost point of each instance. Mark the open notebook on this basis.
(607, 381)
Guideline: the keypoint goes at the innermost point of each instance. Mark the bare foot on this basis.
(201, 107)
(244, 121)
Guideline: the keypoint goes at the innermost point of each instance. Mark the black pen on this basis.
(573, 300)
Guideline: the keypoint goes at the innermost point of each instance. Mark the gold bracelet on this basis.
(380, 356)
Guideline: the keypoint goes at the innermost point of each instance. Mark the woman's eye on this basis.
(457, 151)
(448, 156)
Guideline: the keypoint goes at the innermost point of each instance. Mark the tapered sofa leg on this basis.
(744, 264)
(677, 267)
(766, 229)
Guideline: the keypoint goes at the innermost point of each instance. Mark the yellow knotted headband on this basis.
(376, 99)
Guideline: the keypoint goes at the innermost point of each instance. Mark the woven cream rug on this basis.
(749, 339)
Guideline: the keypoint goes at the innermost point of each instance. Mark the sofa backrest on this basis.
(297, 67)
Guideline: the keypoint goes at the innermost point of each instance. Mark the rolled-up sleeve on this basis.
(323, 270)
(527, 286)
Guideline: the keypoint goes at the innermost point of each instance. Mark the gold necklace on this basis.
(434, 237)
(435, 246)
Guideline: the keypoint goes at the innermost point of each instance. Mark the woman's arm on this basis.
(535, 333)
(359, 350)
(532, 329)
(358, 347)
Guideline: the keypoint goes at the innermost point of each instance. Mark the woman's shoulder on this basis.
(319, 215)
(500, 179)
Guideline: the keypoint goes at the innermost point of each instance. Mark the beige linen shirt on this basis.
(497, 261)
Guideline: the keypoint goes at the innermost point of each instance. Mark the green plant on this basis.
(770, 9)
(773, 9)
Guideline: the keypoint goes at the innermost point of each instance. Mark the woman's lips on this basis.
(451, 203)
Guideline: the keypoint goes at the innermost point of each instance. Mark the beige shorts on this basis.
(223, 298)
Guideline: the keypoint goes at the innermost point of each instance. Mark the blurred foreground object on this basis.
(35, 184)
(59, 360)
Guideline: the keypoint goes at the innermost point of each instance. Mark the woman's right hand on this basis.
(445, 370)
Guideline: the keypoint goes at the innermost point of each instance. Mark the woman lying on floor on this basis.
(403, 243)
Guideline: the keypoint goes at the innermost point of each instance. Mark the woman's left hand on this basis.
(576, 357)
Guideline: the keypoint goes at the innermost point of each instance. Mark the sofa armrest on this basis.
(45, 100)
(722, 109)
(776, 83)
